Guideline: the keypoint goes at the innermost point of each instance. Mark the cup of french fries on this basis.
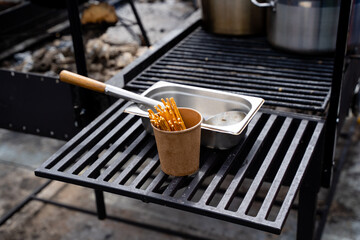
(177, 134)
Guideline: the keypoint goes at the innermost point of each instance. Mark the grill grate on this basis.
(245, 66)
(240, 185)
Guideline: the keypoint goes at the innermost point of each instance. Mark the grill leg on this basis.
(142, 29)
(306, 214)
(75, 29)
(308, 196)
(100, 204)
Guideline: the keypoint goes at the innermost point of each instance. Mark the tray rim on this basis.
(235, 129)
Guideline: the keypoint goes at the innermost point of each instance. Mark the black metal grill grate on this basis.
(254, 183)
(246, 66)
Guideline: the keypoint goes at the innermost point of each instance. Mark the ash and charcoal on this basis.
(109, 47)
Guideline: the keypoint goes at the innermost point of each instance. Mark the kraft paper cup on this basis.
(179, 151)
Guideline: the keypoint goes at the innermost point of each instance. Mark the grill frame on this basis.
(71, 164)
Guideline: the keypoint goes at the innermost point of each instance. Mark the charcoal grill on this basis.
(254, 183)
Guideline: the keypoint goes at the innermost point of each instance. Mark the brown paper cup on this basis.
(179, 151)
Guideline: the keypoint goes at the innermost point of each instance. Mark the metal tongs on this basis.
(222, 119)
(91, 84)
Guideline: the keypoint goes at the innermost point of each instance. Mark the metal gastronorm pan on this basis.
(209, 103)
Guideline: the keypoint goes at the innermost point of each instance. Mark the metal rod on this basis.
(142, 29)
(308, 194)
(94, 151)
(306, 214)
(76, 34)
(115, 166)
(102, 161)
(19, 206)
(123, 220)
(214, 185)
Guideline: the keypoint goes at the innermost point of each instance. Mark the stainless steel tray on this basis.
(209, 103)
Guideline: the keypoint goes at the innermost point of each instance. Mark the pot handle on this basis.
(265, 4)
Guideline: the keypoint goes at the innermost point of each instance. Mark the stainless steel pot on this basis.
(308, 26)
(234, 17)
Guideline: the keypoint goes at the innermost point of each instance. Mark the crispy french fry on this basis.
(169, 104)
(163, 101)
(177, 113)
(182, 124)
(151, 111)
(167, 113)
(165, 124)
(157, 109)
(161, 107)
(171, 113)
(161, 124)
(152, 115)
(177, 126)
(168, 117)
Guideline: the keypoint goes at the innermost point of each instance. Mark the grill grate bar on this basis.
(265, 72)
(259, 178)
(220, 51)
(225, 168)
(111, 152)
(116, 165)
(131, 168)
(146, 172)
(95, 150)
(89, 140)
(199, 177)
(173, 186)
(247, 58)
(241, 71)
(239, 177)
(82, 135)
(257, 45)
(285, 208)
(269, 100)
(156, 182)
(246, 68)
(276, 183)
(253, 92)
(235, 78)
(281, 89)
(177, 182)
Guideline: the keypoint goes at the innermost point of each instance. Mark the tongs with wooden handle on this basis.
(85, 82)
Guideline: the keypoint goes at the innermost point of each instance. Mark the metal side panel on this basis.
(36, 104)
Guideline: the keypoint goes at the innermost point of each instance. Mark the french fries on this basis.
(168, 117)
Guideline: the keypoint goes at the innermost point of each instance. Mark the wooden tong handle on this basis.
(81, 81)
